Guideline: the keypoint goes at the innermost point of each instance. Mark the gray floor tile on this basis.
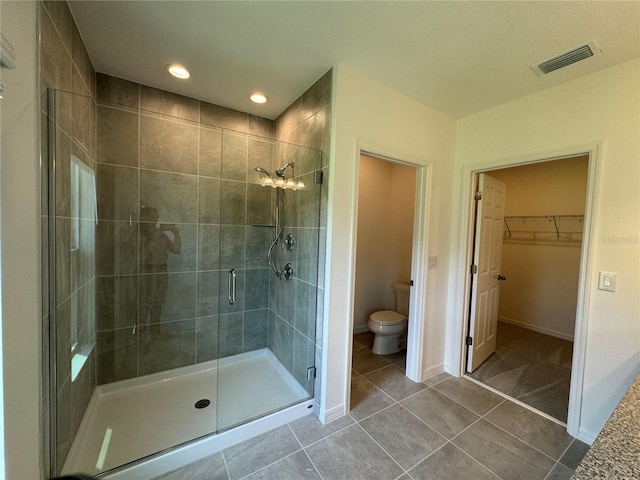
(293, 467)
(397, 357)
(260, 451)
(436, 379)
(402, 365)
(309, 429)
(502, 453)
(394, 382)
(468, 394)
(208, 468)
(450, 463)
(574, 454)
(560, 472)
(366, 398)
(402, 435)
(352, 454)
(364, 339)
(440, 412)
(365, 361)
(537, 431)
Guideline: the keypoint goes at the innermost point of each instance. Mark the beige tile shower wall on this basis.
(306, 123)
(65, 66)
(193, 163)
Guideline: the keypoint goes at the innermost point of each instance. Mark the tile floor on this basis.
(443, 428)
(532, 367)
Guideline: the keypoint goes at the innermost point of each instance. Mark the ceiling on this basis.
(459, 57)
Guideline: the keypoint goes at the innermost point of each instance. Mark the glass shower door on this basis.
(70, 217)
(268, 283)
(167, 321)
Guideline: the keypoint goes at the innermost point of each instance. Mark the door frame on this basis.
(462, 287)
(419, 249)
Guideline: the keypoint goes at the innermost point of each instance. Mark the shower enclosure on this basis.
(182, 283)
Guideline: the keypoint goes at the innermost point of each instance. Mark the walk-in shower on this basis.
(166, 320)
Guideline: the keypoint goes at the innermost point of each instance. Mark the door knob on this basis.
(501, 277)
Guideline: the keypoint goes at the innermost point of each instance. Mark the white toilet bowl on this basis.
(390, 326)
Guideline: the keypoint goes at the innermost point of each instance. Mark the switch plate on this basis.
(607, 281)
(431, 262)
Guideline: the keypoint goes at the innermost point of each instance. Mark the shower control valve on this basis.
(288, 271)
(290, 241)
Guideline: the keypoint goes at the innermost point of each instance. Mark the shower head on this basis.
(262, 170)
(280, 171)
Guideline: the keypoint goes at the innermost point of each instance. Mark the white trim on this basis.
(459, 286)
(587, 436)
(419, 272)
(334, 414)
(584, 293)
(536, 328)
(360, 329)
(415, 328)
(431, 371)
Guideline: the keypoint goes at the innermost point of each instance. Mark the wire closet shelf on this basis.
(551, 228)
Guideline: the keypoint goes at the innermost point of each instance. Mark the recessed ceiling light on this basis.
(258, 98)
(178, 71)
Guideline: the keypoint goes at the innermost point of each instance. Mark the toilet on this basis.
(390, 326)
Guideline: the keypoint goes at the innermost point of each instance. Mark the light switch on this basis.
(431, 262)
(607, 281)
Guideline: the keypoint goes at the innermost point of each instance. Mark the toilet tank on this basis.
(402, 298)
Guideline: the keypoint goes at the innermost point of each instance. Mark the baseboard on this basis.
(333, 414)
(360, 329)
(431, 371)
(528, 326)
(587, 436)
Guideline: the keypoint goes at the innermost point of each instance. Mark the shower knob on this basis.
(288, 271)
(290, 241)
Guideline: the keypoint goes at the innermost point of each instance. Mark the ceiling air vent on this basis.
(568, 58)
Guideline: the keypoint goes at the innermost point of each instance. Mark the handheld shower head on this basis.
(262, 170)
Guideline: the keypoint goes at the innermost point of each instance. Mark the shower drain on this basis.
(204, 403)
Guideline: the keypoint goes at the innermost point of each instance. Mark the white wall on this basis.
(602, 108)
(371, 116)
(541, 289)
(386, 197)
(20, 240)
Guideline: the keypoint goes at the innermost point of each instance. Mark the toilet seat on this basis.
(387, 318)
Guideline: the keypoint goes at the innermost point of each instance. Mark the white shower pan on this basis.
(132, 419)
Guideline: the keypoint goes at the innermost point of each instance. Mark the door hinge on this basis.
(411, 283)
(478, 195)
(474, 269)
(318, 176)
(311, 373)
(469, 341)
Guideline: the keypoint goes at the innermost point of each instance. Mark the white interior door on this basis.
(486, 282)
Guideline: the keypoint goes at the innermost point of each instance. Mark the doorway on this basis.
(384, 250)
(541, 252)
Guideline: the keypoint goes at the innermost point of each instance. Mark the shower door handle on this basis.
(232, 286)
